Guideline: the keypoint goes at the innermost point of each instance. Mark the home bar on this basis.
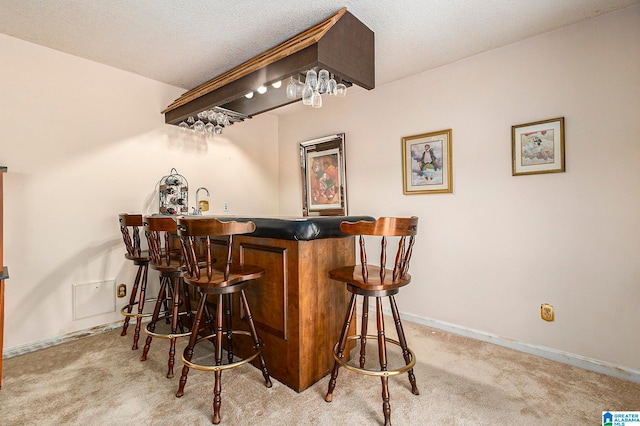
(297, 312)
(297, 309)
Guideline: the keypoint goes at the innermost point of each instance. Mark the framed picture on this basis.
(324, 183)
(538, 147)
(426, 163)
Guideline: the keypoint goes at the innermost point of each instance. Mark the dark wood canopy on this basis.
(340, 44)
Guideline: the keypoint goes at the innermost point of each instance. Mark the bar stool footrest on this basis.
(221, 367)
(132, 314)
(165, 335)
(377, 373)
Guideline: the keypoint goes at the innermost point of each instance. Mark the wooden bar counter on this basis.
(298, 310)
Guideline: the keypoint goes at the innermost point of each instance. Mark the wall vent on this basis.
(93, 299)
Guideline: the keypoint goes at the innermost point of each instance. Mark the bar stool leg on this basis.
(187, 303)
(217, 388)
(228, 326)
(143, 290)
(132, 300)
(175, 317)
(382, 354)
(341, 345)
(156, 313)
(188, 351)
(211, 326)
(217, 400)
(403, 344)
(256, 340)
(363, 331)
(176, 287)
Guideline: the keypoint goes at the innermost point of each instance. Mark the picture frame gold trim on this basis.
(324, 176)
(427, 170)
(538, 147)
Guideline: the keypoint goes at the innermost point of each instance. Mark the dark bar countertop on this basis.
(295, 228)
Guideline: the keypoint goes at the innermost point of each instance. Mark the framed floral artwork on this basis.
(538, 147)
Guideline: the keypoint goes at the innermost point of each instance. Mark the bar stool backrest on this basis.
(196, 235)
(160, 231)
(386, 227)
(130, 225)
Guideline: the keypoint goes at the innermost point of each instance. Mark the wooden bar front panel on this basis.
(297, 309)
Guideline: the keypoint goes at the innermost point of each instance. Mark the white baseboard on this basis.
(54, 341)
(590, 364)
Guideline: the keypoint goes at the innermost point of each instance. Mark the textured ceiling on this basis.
(184, 43)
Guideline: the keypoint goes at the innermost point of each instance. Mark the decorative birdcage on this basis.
(173, 194)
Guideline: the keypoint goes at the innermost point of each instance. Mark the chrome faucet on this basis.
(198, 209)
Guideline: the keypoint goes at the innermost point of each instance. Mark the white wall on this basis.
(490, 253)
(84, 142)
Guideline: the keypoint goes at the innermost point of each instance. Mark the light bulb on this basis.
(277, 84)
(249, 95)
(262, 90)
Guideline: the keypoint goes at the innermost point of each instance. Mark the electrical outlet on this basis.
(225, 206)
(546, 312)
(122, 290)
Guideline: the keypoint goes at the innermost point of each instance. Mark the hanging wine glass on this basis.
(208, 128)
(311, 79)
(198, 126)
(316, 100)
(323, 81)
(292, 88)
(299, 87)
(341, 89)
(307, 94)
(331, 86)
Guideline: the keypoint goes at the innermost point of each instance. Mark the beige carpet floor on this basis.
(99, 380)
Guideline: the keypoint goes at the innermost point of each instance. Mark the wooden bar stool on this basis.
(205, 236)
(130, 225)
(165, 257)
(376, 281)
